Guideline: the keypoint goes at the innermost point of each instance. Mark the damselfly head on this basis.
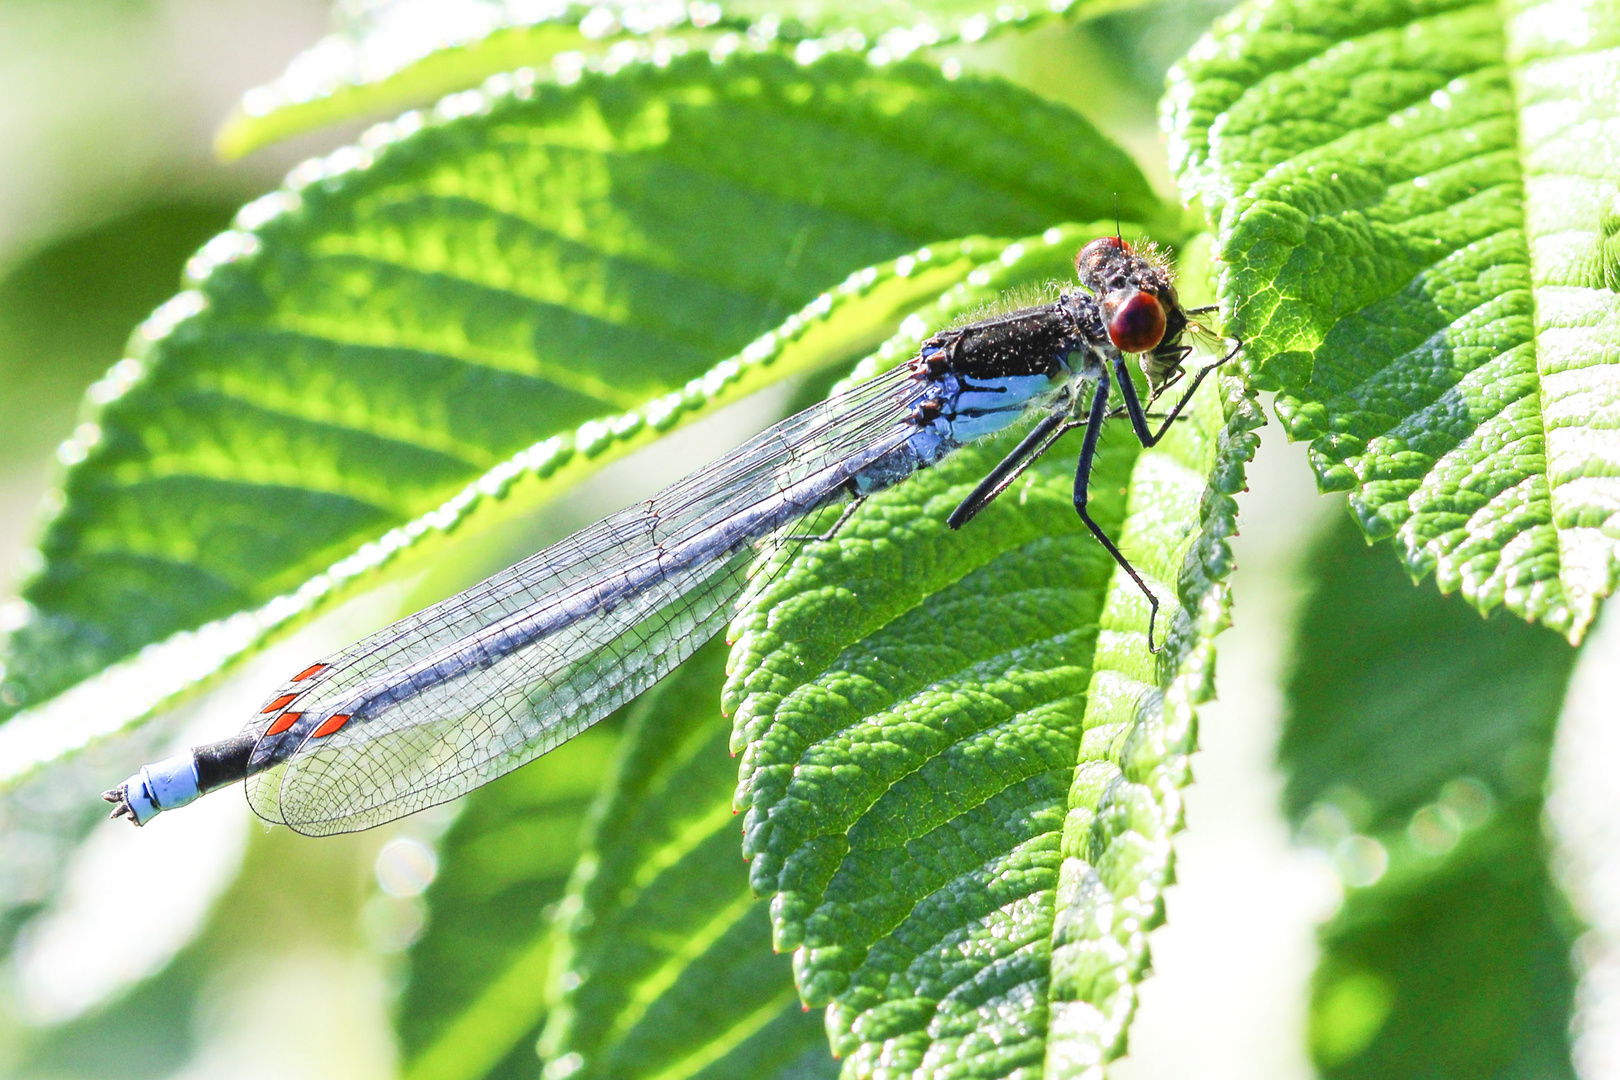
(1138, 297)
(1111, 265)
(1095, 259)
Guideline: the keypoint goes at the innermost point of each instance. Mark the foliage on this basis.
(404, 317)
(960, 768)
(1419, 736)
(389, 55)
(1450, 369)
(669, 967)
(505, 865)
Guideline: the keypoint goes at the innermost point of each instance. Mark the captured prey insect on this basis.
(452, 697)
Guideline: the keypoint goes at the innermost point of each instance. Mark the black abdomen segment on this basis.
(222, 763)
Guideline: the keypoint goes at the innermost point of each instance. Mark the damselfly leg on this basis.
(1061, 420)
(1148, 439)
(831, 533)
(1082, 493)
(1040, 439)
(1133, 403)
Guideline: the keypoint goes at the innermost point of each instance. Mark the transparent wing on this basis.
(1164, 371)
(1206, 343)
(447, 699)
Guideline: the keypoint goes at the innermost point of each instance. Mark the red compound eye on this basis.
(1137, 324)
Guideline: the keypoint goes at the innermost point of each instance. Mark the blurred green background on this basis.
(107, 112)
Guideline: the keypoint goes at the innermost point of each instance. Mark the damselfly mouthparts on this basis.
(474, 686)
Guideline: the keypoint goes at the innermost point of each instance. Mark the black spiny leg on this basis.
(853, 505)
(1082, 482)
(1133, 404)
(1026, 453)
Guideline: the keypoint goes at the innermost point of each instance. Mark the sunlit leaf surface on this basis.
(389, 56)
(1416, 208)
(910, 707)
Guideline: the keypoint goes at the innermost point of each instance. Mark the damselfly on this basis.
(452, 697)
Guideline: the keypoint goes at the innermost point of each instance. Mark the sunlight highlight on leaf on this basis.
(1415, 205)
(127, 692)
(406, 53)
(412, 311)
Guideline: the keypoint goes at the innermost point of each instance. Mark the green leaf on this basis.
(476, 990)
(668, 970)
(911, 705)
(398, 55)
(1416, 745)
(1416, 209)
(408, 314)
(371, 71)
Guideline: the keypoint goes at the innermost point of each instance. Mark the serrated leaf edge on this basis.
(340, 62)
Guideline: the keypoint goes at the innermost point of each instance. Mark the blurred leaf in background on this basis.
(475, 993)
(668, 967)
(289, 926)
(66, 313)
(1416, 746)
